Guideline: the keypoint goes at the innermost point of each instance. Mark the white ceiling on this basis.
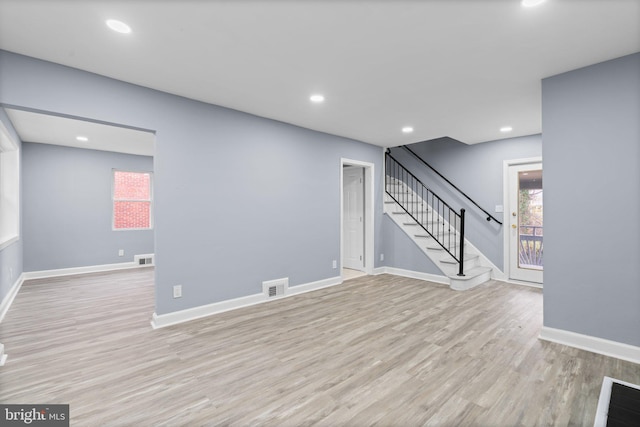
(457, 68)
(49, 129)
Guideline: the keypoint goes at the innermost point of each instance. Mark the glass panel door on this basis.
(526, 228)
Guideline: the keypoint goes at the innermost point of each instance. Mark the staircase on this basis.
(434, 227)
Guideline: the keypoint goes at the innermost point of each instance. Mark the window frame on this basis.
(114, 200)
(9, 188)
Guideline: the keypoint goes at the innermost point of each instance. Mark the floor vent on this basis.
(275, 288)
(609, 405)
(143, 259)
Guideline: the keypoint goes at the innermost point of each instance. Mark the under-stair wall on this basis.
(402, 253)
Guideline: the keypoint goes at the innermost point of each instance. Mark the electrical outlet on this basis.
(177, 291)
(335, 264)
(121, 252)
(381, 257)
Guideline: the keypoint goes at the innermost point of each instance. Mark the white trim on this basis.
(522, 283)
(602, 412)
(3, 355)
(9, 242)
(81, 270)
(181, 316)
(436, 278)
(4, 308)
(10, 184)
(505, 203)
(314, 286)
(369, 211)
(379, 270)
(609, 348)
(11, 295)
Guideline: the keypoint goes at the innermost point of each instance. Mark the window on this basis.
(9, 189)
(131, 200)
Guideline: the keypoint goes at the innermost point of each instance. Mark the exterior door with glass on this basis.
(525, 223)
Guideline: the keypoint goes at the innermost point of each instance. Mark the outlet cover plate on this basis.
(177, 291)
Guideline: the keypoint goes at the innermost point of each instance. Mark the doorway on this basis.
(525, 227)
(353, 217)
(356, 218)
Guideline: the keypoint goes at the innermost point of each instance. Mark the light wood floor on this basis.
(380, 350)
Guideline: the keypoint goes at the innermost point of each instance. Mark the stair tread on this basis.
(472, 273)
(401, 212)
(437, 248)
(439, 233)
(467, 257)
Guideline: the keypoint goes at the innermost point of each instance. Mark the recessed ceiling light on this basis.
(506, 129)
(82, 138)
(532, 3)
(118, 26)
(317, 98)
(407, 129)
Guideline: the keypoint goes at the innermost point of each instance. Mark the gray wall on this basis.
(239, 199)
(478, 171)
(591, 128)
(67, 214)
(10, 256)
(401, 252)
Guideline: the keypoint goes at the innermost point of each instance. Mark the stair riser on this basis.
(463, 285)
(468, 265)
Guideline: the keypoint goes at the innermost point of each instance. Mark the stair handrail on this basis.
(489, 216)
(461, 216)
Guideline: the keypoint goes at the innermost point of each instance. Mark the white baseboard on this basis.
(314, 286)
(4, 308)
(379, 270)
(3, 359)
(43, 274)
(609, 348)
(168, 319)
(522, 283)
(413, 274)
(3, 356)
(8, 299)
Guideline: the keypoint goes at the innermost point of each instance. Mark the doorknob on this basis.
(513, 226)
(513, 214)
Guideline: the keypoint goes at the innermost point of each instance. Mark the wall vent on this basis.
(145, 260)
(275, 288)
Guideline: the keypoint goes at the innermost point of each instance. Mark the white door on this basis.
(524, 222)
(353, 217)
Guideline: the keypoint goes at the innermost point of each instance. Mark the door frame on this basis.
(369, 211)
(505, 231)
